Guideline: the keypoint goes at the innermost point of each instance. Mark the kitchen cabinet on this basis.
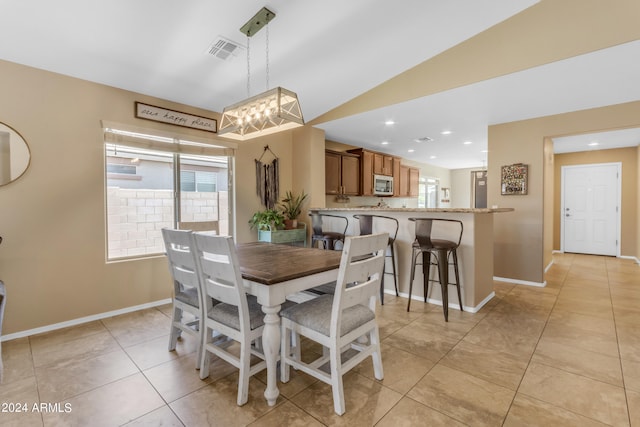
(414, 182)
(342, 173)
(382, 164)
(366, 173)
(396, 177)
(409, 181)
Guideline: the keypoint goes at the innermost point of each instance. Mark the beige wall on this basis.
(247, 201)
(629, 196)
(547, 201)
(52, 259)
(520, 248)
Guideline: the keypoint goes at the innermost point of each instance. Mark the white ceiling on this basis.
(619, 138)
(328, 52)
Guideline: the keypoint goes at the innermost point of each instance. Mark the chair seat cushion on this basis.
(437, 244)
(228, 314)
(316, 315)
(189, 296)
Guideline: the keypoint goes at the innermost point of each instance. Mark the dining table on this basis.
(272, 272)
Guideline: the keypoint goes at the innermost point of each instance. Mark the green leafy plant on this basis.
(269, 219)
(292, 205)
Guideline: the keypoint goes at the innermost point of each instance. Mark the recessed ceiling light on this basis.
(385, 143)
(484, 151)
(432, 157)
(467, 142)
(411, 150)
(594, 143)
(445, 132)
(389, 122)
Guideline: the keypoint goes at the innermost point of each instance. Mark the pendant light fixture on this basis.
(272, 111)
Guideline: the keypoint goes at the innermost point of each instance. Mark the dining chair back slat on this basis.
(360, 273)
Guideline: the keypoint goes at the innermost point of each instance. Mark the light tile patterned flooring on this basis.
(567, 354)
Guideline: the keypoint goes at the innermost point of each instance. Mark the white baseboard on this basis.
(548, 266)
(454, 306)
(82, 320)
(520, 282)
(630, 257)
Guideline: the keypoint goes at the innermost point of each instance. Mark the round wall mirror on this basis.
(14, 154)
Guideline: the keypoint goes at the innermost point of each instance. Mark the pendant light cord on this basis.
(267, 66)
(248, 66)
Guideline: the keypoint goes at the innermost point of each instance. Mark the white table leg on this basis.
(271, 347)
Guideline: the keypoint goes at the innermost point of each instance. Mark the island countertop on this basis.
(421, 210)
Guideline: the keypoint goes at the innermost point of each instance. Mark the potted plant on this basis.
(269, 219)
(291, 208)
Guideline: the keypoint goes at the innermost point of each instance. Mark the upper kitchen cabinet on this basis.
(396, 176)
(382, 164)
(409, 181)
(342, 173)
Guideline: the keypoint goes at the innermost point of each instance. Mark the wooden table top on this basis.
(269, 263)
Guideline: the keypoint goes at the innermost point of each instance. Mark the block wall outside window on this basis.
(136, 218)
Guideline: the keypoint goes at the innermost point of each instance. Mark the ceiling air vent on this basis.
(423, 139)
(224, 49)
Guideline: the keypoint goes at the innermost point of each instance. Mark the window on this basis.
(428, 193)
(198, 181)
(124, 169)
(142, 175)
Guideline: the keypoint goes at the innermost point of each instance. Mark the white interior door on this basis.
(590, 208)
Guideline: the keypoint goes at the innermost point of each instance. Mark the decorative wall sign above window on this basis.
(164, 115)
(514, 179)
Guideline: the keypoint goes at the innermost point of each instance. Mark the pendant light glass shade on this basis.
(272, 111)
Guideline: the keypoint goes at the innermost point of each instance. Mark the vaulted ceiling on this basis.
(353, 63)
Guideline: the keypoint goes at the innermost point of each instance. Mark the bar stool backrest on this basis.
(317, 223)
(426, 233)
(366, 225)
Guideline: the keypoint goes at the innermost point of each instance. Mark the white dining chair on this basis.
(182, 265)
(339, 322)
(236, 316)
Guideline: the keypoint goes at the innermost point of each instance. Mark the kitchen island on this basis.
(475, 254)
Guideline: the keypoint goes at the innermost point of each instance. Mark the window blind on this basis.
(168, 142)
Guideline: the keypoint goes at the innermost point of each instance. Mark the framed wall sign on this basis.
(165, 115)
(514, 179)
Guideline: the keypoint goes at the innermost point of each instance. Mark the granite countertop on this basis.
(389, 209)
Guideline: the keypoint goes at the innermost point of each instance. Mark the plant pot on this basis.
(290, 224)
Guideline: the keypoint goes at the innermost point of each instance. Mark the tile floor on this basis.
(567, 354)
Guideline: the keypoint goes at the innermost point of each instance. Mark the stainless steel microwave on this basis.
(382, 185)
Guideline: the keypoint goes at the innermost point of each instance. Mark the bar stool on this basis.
(366, 227)
(440, 249)
(328, 238)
